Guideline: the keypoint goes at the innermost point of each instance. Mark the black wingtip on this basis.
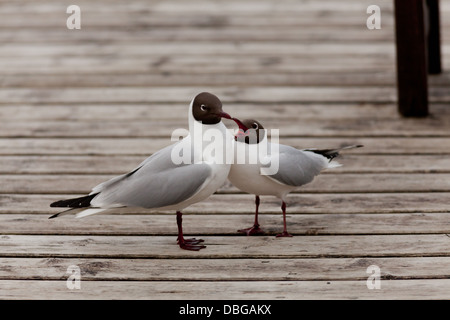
(59, 203)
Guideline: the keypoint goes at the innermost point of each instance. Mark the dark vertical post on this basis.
(412, 84)
(434, 38)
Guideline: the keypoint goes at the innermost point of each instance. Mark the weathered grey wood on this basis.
(244, 203)
(339, 183)
(202, 6)
(226, 247)
(149, 19)
(376, 78)
(318, 269)
(118, 164)
(88, 104)
(185, 94)
(189, 64)
(214, 20)
(343, 78)
(248, 7)
(170, 111)
(228, 224)
(253, 290)
(154, 128)
(268, 113)
(220, 48)
(145, 146)
(224, 33)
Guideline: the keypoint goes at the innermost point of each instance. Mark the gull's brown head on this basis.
(250, 131)
(207, 109)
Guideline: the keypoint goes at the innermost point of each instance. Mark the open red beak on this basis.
(242, 129)
(240, 124)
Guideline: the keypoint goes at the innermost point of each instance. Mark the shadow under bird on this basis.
(295, 168)
(159, 183)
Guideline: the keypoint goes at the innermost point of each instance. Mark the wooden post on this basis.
(434, 41)
(412, 84)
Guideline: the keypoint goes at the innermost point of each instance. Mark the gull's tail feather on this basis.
(63, 213)
(333, 164)
(88, 212)
(73, 204)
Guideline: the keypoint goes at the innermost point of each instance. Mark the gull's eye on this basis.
(255, 125)
(203, 107)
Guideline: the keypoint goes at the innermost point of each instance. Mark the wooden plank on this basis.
(281, 94)
(267, 112)
(136, 32)
(114, 165)
(226, 247)
(364, 127)
(71, 48)
(339, 183)
(320, 269)
(168, 112)
(213, 20)
(185, 94)
(253, 290)
(228, 224)
(143, 147)
(244, 203)
(343, 78)
(190, 64)
(248, 7)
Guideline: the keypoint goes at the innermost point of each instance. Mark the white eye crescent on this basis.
(255, 125)
(203, 107)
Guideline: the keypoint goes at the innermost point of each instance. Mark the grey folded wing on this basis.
(297, 167)
(156, 182)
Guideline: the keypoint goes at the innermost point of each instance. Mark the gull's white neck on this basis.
(206, 137)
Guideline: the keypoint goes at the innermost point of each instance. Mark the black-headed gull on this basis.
(164, 181)
(294, 167)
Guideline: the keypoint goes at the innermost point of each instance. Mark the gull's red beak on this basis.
(224, 115)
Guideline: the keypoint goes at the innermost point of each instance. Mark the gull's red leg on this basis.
(187, 244)
(255, 230)
(285, 233)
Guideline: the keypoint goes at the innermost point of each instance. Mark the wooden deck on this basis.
(80, 106)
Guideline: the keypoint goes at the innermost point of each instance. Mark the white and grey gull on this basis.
(161, 183)
(295, 168)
